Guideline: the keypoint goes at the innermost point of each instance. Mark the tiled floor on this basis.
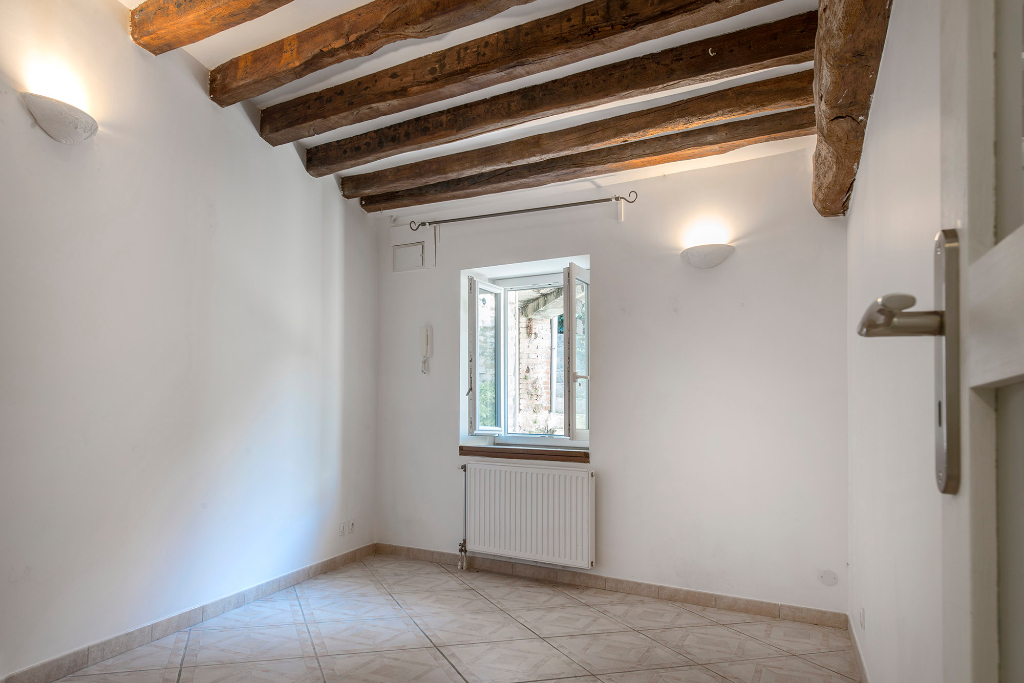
(391, 620)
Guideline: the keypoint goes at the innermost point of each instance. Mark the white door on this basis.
(982, 198)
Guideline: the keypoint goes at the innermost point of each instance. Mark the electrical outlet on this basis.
(351, 527)
(861, 618)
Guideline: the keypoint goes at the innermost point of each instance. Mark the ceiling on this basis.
(301, 14)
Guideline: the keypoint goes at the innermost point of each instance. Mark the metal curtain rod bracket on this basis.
(632, 197)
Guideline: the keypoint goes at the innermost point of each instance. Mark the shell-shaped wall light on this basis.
(708, 255)
(61, 121)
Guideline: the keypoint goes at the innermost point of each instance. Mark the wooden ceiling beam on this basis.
(691, 144)
(357, 33)
(164, 25)
(588, 30)
(751, 99)
(846, 61)
(785, 42)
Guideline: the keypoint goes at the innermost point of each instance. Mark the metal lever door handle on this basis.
(888, 317)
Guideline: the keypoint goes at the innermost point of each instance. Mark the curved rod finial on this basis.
(632, 197)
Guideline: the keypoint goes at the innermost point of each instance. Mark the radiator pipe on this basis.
(463, 556)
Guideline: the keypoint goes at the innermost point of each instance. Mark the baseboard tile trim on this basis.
(72, 662)
(775, 610)
(858, 655)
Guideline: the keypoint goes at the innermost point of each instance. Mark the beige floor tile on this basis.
(508, 662)
(265, 612)
(724, 616)
(342, 576)
(301, 670)
(523, 597)
(419, 583)
(567, 621)
(399, 666)
(338, 589)
(796, 637)
(599, 596)
(616, 652)
(403, 566)
(147, 676)
(370, 635)
(706, 644)
(472, 627)
(165, 653)
(686, 674)
(444, 601)
(342, 580)
(248, 645)
(479, 580)
(841, 662)
(780, 670)
(654, 614)
(349, 570)
(286, 594)
(348, 607)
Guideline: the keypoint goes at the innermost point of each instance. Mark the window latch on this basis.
(576, 377)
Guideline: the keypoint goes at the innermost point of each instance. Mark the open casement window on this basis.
(485, 336)
(526, 381)
(576, 281)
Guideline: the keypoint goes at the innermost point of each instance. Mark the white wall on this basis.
(719, 396)
(188, 365)
(895, 508)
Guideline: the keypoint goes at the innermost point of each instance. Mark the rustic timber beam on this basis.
(761, 97)
(588, 30)
(357, 33)
(847, 54)
(691, 144)
(163, 25)
(789, 41)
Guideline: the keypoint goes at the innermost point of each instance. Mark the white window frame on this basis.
(475, 286)
(573, 438)
(570, 275)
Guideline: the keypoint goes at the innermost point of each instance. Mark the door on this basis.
(982, 198)
(997, 340)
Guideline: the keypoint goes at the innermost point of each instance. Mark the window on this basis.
(526, 380)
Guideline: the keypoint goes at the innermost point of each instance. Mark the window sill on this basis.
(525, 453)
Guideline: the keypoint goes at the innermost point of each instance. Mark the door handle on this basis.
(888, 317)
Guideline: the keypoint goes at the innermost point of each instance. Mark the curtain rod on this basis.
(413, 225)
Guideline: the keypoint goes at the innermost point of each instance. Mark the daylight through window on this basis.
(520, 367)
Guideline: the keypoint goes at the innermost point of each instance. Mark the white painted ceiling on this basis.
(301, 14)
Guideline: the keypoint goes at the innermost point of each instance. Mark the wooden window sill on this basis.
(525, 453)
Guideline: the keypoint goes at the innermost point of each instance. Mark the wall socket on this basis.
(346, 527)
(861, 618)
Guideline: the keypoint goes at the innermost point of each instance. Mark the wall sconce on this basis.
(61, 121)
(706, 245)
(707, 255)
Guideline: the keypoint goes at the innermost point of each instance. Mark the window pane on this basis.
(537, 351)
(582, 353)
(486, 360)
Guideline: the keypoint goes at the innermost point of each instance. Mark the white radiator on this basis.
(542, 514)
